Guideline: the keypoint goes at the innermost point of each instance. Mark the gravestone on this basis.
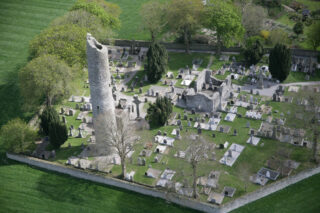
(235, 133)
(248, 124)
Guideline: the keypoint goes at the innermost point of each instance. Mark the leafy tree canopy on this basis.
(107, 12)
(17, 136)
(68, 42)
(84, 19)
(298, 28)
(225, 19)
(313, 35)
(44, 77)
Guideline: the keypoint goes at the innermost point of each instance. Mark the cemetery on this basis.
(241, 127)
(134, 93)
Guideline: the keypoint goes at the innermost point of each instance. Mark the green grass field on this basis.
(25, 189)
(20, 21)
(131, 26)
(301, 197)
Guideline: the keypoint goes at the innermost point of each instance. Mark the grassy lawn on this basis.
(25, 189)
(300, 197)
(20, 21)
(299, 76)
(131, 26)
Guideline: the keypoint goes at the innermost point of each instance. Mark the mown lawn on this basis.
(131, 25)
(20, 21)
(25, 189)
(301, 197)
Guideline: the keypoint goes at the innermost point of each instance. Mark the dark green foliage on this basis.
(280, 62)
(48, 116)
(253, 52)
(58, 133)
(157, 57)
(159, 112)
(298, 28)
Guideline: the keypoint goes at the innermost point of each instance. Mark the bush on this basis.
(254, 51)
(278, 36)
(17, 136)
(280, 62)
(58, 133)
(265, 34)
(157, 60)
(159, 112)
(298, 28)
(48, 116)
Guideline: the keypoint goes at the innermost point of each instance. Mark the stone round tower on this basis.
(103, 106)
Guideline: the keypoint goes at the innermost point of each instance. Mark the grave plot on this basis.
(254, 114)
(153, 173)
(230, 117)
(164, 140)
(165, 178)
(253, 140)
(231, 155)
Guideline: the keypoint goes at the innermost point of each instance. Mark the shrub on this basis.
(298, 28)
(17, 136)
(254, 51)
(157, 60)
(159, 112)
(265, 34)
(48, 116)
(58, 133)
(280, 62)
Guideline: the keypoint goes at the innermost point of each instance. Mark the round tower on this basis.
(103, 106)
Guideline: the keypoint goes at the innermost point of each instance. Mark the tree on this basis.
(159, 112)
(196, 153)
(107, 12)
(298, 28)
(310, 119)
(67, 42)
(45, 76)
(254, 50)
(313, 35)
(225, 19)
(48, 115)
(184, 18)
(242, 4)
(17, 136)
(153, 18)
(84, 19)
(157, 60)
(58, 133)
(121, 137)
(253, 18)
(280, 62)
(278, 36)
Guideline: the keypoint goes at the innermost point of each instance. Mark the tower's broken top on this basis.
(93, 43)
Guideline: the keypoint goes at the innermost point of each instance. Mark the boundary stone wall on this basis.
(182, 201)
(205, 47)
(174, 198)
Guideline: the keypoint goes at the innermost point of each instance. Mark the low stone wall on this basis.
(206, 47)
(174, 198)
(269, 189)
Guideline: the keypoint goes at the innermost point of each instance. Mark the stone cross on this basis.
(137, 102)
